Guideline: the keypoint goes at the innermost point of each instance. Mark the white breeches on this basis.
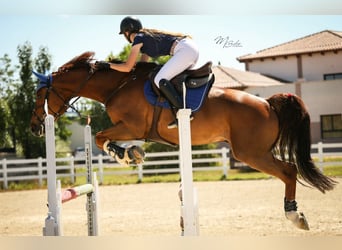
(185, 57)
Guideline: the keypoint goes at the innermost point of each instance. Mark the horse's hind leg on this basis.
(288, 174)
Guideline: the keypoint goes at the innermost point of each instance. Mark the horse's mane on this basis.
(82, 60)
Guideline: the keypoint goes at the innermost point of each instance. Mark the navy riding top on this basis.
(154, 46)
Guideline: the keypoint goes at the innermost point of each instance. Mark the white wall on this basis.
(315, 66)
(280, 67)
(77, 137)
(320, 98)
(266, 92)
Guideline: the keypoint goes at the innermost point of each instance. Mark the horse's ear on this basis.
(41, 77)
(44, 81)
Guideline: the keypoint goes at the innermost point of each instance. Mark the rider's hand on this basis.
(100, 65)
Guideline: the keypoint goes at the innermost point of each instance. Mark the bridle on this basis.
(46, 82)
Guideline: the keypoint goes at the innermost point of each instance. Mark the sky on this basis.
(67, 36)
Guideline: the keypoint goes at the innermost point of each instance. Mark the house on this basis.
(312, 68)
(232, 78)
(314, 57)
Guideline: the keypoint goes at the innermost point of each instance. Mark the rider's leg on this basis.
(171, 94)
(185, 57)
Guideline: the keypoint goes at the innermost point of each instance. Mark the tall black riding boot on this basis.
(171, 93)
(173, 97)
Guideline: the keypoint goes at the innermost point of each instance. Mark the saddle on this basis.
(193, 78)
(198, 83)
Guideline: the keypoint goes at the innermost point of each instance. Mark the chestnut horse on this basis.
(270, 135)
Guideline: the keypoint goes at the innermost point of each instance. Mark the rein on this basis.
(124, 81)
(75, 94)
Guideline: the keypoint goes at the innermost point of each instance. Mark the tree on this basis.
(97, 114)
(21, 102)
(42, 65)
(7, 139)
(43, 60)
(6, 74)
(123, 56)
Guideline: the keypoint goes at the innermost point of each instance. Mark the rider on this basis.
(153, 43)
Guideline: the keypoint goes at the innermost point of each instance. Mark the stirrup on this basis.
(174, 124)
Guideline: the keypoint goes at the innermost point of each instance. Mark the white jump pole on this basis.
(56, 196)
(91, 206)
(52, 222)
(189, 194)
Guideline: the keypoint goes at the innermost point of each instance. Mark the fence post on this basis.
(140, 172)
(4, 173)
(40, 171)
(72, 170)
(320, 155)
(224, 152)
(101, 168)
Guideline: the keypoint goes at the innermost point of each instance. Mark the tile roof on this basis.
(323, 41)
(232, 78)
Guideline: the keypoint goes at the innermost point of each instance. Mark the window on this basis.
(331, 126)
(333, 76)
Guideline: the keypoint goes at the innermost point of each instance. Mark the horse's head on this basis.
(55, 90)
(38, 113)
(77, 78)
(48, 100)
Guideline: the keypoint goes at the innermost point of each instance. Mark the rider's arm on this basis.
(132, 58)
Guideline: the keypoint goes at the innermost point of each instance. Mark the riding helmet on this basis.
(130, 24)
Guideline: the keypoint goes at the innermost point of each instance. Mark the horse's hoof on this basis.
(136, 154)
(303, 223)
(298, 219)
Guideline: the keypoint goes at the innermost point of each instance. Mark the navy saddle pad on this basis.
(194, 97)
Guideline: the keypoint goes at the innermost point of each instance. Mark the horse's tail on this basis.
(294, 140)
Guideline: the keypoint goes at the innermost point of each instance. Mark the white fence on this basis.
(156, 163)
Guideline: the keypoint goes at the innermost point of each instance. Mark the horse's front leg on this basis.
(132, 154)
(105, 140)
